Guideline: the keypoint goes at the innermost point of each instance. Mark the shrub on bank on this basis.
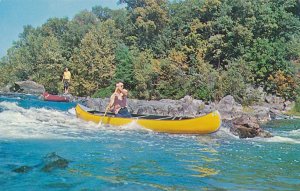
(297, 104)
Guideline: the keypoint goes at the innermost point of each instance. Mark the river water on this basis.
(132, 158)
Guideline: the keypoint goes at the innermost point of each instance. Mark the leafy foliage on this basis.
(297, 104)
(283, 85)
(124, 66)
(166, 49)
(93, 64)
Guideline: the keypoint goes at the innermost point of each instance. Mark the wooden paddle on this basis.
(100, 122)
(107, 108)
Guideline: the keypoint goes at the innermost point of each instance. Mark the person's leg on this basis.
(127, 114)
(68, 84)
(66, 87)
(123, 113)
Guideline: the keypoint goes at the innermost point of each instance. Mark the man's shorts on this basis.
(66, 84)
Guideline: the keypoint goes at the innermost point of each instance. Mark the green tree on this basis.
(93, 64)
(102, 13)
(124, 66)
(55, 27)
(49, 64)
(148, 18)
(145, 75)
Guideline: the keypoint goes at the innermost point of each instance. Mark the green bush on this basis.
(297, 104)
(103, 92)
(203, 93)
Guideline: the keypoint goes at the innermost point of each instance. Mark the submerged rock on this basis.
(50, 162)
(23, 169)
(53, 161)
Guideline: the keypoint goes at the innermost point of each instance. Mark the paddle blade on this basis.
(100, 123)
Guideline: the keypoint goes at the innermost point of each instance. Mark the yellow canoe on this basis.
(165, 124)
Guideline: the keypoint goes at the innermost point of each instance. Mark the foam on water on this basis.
(280, 139)
(295, 132)
(225, 133)
(41, 123)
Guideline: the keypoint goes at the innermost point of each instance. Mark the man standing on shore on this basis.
(66, 80)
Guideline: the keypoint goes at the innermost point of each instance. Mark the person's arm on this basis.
(111, 101)
(123, 91)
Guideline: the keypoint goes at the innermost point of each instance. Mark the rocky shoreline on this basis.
(242, 121)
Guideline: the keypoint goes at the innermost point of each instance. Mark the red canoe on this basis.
(49, 97)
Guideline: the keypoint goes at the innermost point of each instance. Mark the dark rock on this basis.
(247, 121)
(247, 127)
(23, 169)
(244, 132)
(53, 161)
(50, 162)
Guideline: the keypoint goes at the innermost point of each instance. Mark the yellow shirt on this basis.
(67, 75)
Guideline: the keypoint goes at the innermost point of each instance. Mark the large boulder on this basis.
(228, 108)
(28, 87)
(247, 126)
(95, 103)
(275, 102)
(6, 89)
(261, 113)
(192, 107)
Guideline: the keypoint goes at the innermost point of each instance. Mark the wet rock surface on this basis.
(23, 169)
(53, 161)
(49, 163)
(247, 127)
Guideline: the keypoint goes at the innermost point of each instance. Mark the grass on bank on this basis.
(296, 108)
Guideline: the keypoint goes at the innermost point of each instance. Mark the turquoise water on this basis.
(132, 158)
